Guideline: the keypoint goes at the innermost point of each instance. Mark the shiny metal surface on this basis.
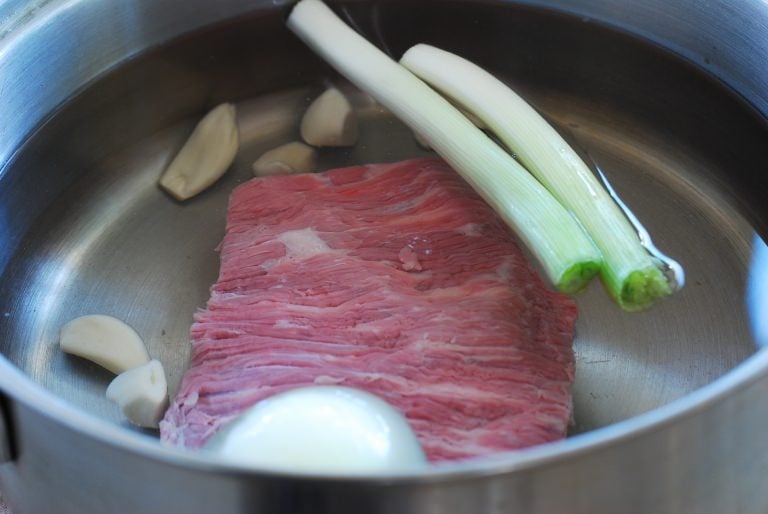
(666, 402)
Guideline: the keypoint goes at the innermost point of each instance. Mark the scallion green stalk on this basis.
(631, 275)
(552, 234)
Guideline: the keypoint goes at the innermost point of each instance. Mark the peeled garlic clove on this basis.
(294, 157)
(205, 156)
(330, 121)
(105, 340)
(141, 393)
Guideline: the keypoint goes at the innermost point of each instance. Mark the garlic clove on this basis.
(294, 157)
(105, 340)
(207, 154)
(330, 121)
(141, 393)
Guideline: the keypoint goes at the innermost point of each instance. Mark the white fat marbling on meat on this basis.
(470, 229)
(302, 244)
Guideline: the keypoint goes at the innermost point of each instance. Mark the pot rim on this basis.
(19, 387)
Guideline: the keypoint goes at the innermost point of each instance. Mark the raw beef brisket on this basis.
(393, 278)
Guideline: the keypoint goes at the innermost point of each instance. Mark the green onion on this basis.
(552, 234)
(630, 273)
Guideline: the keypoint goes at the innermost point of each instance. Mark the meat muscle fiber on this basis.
(393, 278)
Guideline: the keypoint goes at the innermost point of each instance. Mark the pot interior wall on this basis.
(86, 230)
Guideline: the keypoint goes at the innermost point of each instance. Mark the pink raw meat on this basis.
(393, 278)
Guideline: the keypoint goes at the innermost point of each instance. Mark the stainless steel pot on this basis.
(669, 97)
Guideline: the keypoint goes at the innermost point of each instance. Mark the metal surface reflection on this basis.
(757, 291)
